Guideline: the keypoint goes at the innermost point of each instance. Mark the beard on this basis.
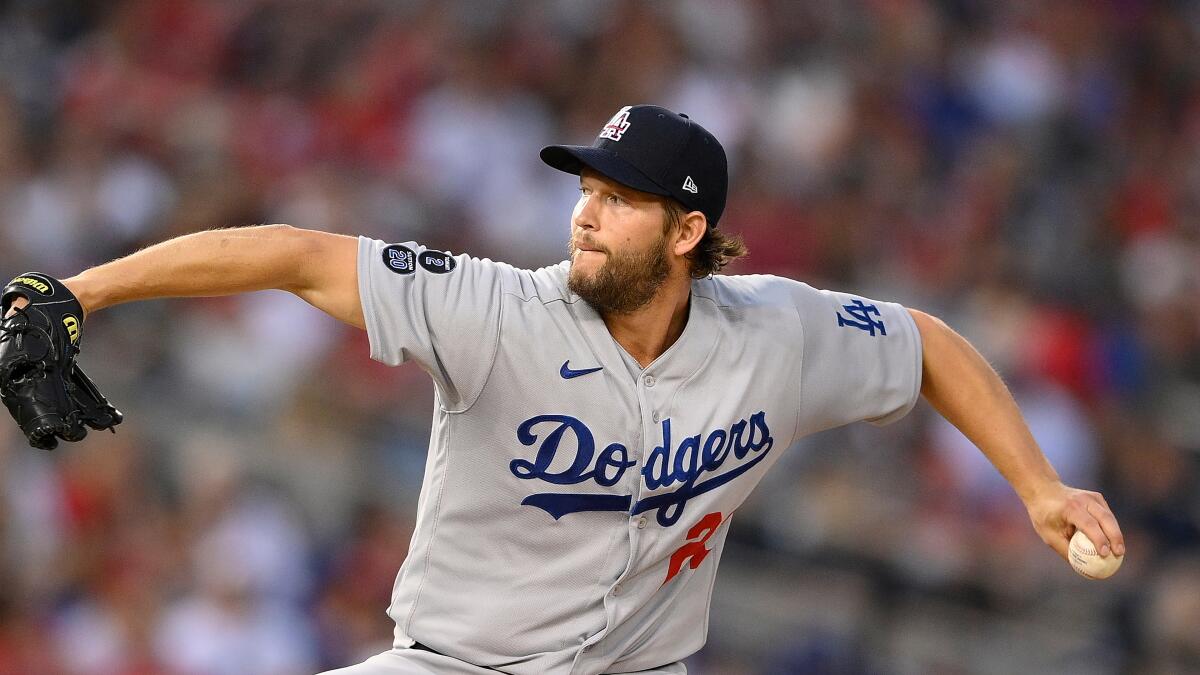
(626, 282)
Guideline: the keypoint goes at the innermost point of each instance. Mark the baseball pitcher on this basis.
(598, 422)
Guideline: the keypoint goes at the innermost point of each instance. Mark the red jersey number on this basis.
(694, 552)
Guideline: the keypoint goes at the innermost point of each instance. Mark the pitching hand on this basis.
(1060, 510)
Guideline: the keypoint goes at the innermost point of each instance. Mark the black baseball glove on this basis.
(40, 383)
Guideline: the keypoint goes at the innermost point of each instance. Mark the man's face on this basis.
(618, 246)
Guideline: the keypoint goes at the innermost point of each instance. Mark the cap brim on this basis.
(573, 158)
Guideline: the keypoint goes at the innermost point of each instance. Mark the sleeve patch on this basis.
(399, 259)
(436, 262)
(863, 317)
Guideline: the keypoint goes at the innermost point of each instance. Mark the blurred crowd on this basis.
(1028, 171)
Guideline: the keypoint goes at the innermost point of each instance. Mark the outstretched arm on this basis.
(960, 385)
(319, 267)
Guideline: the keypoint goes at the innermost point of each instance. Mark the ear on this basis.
(689, 233)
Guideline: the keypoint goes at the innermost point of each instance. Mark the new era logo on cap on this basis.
(655, 150)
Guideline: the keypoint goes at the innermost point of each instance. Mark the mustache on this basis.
(577, 242)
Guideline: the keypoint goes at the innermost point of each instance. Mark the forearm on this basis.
(960, 384)
(210, 263)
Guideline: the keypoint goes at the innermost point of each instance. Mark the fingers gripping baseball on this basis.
(1058, 515)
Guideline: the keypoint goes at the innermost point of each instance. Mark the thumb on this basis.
(1057, 538)
(17, 303)
(1060, 543)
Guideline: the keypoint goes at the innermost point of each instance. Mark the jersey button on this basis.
(641, 522)
(650, 380)
(616, 590)
(655, 418)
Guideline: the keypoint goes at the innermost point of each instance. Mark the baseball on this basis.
(1086, 559)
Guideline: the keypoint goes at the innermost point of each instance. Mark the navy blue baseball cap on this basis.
(650, 148)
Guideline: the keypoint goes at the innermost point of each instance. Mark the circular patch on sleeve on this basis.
(436, 261)
(399, 259)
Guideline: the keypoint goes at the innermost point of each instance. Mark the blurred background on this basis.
(1029, 171)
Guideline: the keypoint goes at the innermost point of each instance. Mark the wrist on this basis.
(83, 292)
(1033, 491)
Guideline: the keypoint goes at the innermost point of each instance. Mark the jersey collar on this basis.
(679, 362)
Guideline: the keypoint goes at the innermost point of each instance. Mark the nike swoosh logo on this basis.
(567, 373)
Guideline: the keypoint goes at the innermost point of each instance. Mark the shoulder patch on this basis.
(436, 262)
(399, 259)
(864, 317)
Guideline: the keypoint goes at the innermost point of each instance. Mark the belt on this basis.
(418, 645)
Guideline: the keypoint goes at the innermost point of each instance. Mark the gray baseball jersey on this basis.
(574, 505)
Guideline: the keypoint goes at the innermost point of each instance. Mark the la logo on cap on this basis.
(617, 126)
